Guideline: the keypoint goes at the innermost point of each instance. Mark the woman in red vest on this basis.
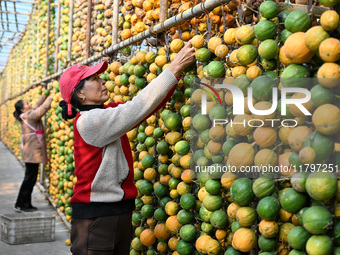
(104, 194)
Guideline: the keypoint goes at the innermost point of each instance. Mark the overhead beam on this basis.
(9, 40)
(317, 10)
(18, 13)
(10, 31)
(4, 45)
(12, 22)
(11, 37)
(23, 2)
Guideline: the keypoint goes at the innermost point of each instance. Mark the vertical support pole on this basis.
(42, 164)
(88, 29)
(18, 73)
(16, 81)
(7, 82)
(115, 21)
(70, 32)
(37, 44)
(33, 58)
(9, 89)
(48, 35)
(41, 174)
(1, 91)
(22, 67)
(13, 82)
(56, 67)
(5, 93)
(10, 82)
(163, 12)
(46, 73)
(26, 62)
(4, 89)
(3, 96)
(9, 79)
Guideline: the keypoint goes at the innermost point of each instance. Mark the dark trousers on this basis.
(24, 199)
(108, 235)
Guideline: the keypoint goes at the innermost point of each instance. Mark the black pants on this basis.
(24, 199)
(108, 235)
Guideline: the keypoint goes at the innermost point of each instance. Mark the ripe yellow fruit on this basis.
(221, 51)
(197, 41)
(176, 45)
(213, 43)
(68, 242)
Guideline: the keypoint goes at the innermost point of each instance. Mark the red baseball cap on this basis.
(73, 75)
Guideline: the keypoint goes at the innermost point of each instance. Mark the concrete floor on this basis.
(11, 176)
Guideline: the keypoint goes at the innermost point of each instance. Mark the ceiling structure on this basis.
(14, 15)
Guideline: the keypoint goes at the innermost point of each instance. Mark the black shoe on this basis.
(17, 209)
(20, 209)
(33, 208)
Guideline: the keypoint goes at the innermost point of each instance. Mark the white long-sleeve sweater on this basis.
(102, 154)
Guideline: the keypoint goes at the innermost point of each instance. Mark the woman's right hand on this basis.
(184, 58)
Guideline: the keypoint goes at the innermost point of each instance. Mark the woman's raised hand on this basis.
(184, 58)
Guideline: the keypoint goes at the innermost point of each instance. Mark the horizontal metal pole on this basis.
(9, 31)
(9, 41)
(13, 22)
(17, 13)
(6, 45)
(173, 21)
(317, 10)
(10, 37)
(24, 2)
